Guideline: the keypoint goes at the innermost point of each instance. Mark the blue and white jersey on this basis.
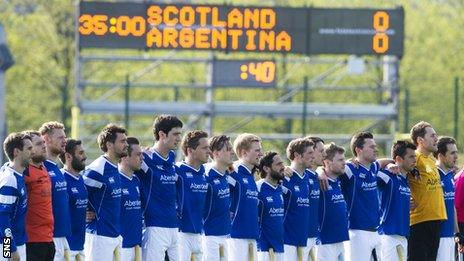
(447, 183)
(296, 204)
(244, 204)
(314, 194)
(78, 200)
(13, 204)
(359, 186)
(60, 200)
(159, 194)
(395, 200)
(333, 215)
(271, 217)
(103, 183)
(191, 191)
(216, 221)
(131, 212)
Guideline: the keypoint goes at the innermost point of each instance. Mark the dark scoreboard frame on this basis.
(312, 30)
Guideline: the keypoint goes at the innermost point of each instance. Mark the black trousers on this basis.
(424, 241)
(40, 251)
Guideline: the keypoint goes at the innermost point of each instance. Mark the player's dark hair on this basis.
(298, 146)
(332, 149)
(419, 130)
(165, 123)
(191, 140)
(400, 147)
(358, 140)
(14, 141)
(131, 141)
(70, 148)
(266, 161)
(109, 134)
(442, 145)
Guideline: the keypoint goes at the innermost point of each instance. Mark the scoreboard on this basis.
(238, 28)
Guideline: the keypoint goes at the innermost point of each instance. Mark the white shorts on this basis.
(190, 247)
(73, 255)
(131, 253)
(393, 248)
(157, 240)
(61, 248)
(293, 253)
(266, 256)
(361, 244)
(214, 248)
(330, 252)
(242, 249)
(446, 249)
(21, 251)
(99, 248)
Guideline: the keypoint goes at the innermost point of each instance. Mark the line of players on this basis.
(194, 210)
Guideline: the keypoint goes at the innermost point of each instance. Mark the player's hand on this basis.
(89, 216)
(412, 204)
(355, 162)
(288, 172)
(323, 180)
(15, 256)
(416, 174)
(459, 239)
(393, 168)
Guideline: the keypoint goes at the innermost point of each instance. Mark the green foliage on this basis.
(40, 34)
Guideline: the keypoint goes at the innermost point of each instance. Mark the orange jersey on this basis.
(39, 215)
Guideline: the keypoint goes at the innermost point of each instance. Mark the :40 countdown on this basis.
(262, 71)
(244, 73)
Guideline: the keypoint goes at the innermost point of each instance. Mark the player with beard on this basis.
(13, 194)
(39, 215)
(447, 156)
(191, 193)
(159, 195)
(300, 153)
(55, 142)
(74, 162)
(271, 207)
(216, 216)
(103, 183)
(427, 195)
(332, 208)
(131, 212)
(244, 195)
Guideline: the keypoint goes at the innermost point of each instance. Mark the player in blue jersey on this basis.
(191, 191)
(55, 142)
(74, 162)
(332, 208)
(395, 197)
(296, 223)
(216, 216)
(447, 156)
(244, 195)
(159, 195)
(314, 195)
(131, 212)
(359, 186)
(13, 195)
(271, 208)
(103, 182)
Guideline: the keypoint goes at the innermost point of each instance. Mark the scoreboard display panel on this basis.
(227, 28)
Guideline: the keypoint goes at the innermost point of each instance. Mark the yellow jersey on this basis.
(426, 192)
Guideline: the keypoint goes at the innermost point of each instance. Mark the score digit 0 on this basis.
(381, 23)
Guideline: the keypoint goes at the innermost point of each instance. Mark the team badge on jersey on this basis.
(111, 180)
(269, 199)
(189, 174)
(74, 190)
(297, 188)
(216, 181)
(51, 174)
(245, 180)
